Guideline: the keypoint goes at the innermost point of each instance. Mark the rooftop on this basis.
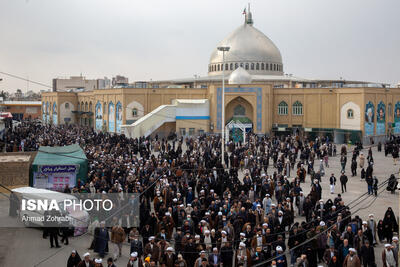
(21, 103)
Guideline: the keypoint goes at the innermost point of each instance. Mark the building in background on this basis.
(120, 81)
(103, 83)
(259, 97)
(22, 109)
(73, 82)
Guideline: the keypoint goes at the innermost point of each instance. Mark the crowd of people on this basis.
(248, 210)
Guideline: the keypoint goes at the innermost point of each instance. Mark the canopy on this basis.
(54, 167)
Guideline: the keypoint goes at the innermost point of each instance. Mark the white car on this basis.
(77, 218)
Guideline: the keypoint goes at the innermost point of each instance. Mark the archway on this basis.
(350, 116)
(239, 115)
(134, 111)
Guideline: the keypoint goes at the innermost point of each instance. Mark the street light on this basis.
(223, 49)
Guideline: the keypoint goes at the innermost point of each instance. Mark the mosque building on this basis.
(259, 97)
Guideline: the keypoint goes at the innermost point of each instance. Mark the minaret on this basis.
(249, 17)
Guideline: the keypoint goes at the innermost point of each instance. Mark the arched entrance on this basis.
(239, 114)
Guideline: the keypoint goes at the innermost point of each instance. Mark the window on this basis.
(231, 66)
(86, 106)
(247, 66)
(201, 132)
(236, 66)
(182, 131)
(257, 66)
(134, 112)
(283, 108)
(252, 66)
(270, 66)
(226, 66)
(241, 65)
(262, 66)
(191, 131)
(390, 110)
(218, 67)
(66, 105)
(297, 108)
(79, 106)
(350, 114)
(266, 66)
(239, 110)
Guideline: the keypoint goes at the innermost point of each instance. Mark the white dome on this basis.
(250, 49)
(240, 76)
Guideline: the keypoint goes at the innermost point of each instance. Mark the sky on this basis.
(158, 39)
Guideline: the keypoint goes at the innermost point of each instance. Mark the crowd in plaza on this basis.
(249, 210)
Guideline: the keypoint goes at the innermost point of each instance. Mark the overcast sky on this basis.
(158, 39)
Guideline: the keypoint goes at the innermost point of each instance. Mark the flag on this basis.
(244, 11)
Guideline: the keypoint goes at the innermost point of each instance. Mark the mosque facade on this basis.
(259, 97)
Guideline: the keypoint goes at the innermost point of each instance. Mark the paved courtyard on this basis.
(26, 247)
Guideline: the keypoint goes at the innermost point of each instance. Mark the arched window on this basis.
(262, 66)
(90, 107)
(134, 112)
(247, 66)
(236, 66)
(239, 110)
(218, 67)
(252, 66)
(241, 65)
(86, 107)
(350, 114)
(82, 106)
(266, 66)
(66, 105)
(231, 66)
(226, 66)
(257, 66)
(270, 66)
(297, 108)
(283, 108)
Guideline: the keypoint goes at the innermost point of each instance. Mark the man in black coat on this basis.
(227, 254)
(367, 255)
(343, 182)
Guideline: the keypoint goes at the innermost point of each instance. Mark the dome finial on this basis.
(249, 17)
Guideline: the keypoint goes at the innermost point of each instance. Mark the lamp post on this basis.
(223, 49)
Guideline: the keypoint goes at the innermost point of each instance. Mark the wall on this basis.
(321, 106)
(14, 168)
(196, 124)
